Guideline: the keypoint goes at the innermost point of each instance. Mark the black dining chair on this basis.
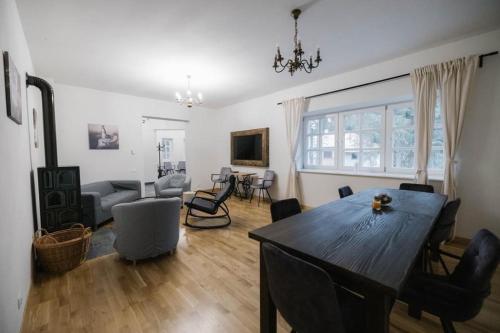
(307, 298)
(460, 296)
(416, 187)
(285, 208)
(345, 191)
(442, 232)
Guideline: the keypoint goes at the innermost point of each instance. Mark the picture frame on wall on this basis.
(103, 137)
(12, 89)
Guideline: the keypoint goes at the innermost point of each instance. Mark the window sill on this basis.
(368, 174)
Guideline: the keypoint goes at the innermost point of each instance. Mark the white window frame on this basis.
(385, 147)
(305, 151)
(359, 167)
(167, 154)
(389, 136)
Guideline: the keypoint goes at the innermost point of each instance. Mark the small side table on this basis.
(188, 196)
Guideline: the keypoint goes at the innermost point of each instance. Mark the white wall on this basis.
(76, 107)
(16, 224)
(321, 188)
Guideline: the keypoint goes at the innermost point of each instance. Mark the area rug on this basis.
(101, 243)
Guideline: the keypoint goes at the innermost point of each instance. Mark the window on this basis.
(362, 139)
(436, 158)
(168, 146)
(374, 139)
(401, 118)
(321, 142)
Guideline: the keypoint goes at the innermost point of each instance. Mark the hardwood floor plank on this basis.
(211, 284)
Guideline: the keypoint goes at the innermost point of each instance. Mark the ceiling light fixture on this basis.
(297, 62)
(189, 100)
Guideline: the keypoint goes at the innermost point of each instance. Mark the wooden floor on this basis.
(210, 285)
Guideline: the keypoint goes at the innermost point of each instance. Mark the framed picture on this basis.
(103, 137)
(12, 90)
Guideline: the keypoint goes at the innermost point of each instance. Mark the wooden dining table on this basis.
(368, 252)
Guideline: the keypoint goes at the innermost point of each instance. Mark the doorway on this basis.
(164, 141)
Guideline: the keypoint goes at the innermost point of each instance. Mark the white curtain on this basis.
(293, 109)
(425, 84)
(456, 79)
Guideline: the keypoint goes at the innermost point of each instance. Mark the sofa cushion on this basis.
(171, 192)
(177, 181)
(118, 197)
(104, 188)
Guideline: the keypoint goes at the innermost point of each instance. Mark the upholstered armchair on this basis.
(171, 186)
(210, 203)
(458, 297)
(146, 228)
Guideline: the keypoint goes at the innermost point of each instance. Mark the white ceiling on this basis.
(146, 48)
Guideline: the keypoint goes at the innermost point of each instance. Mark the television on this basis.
(250, 147)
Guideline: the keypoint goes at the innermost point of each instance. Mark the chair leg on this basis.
(258, 202)
(270, 199)
(213, 188)
(251, 195)
(447, 326)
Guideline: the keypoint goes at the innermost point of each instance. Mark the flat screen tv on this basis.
(250, 147)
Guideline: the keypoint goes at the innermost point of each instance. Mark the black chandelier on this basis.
(298, 62)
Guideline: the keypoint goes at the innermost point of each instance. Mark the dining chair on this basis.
(460, 296)
(221, 177)
(263, 184)
(181, 167)
(307, 298)
(416, 187)
(285, 208)
(168, 167)
(345, 191)
(442, 232)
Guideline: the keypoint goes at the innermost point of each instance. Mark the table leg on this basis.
(378, 309)
(267, 307)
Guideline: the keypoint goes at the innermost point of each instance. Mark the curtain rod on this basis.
(386, 79)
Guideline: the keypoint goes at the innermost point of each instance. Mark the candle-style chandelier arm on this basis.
(297, 62)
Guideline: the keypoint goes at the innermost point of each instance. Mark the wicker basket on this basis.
(62, 250)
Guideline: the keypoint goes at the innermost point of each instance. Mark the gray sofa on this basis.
(171, 186)
(99, 197)
(146, 228)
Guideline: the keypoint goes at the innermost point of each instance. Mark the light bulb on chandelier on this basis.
(189, 100)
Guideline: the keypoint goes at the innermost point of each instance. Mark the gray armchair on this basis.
(146, 228)
(99, 197)
(171, 186)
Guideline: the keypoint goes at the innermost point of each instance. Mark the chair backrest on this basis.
(303, 293)
(416, 187)
(147, 227)
(225, 172)
(444, 225)
(345, 191)
(285, 208)
(104, 188)
(167, 166)
(478, 263)
(181, 165)
(176, 180)
(223, 194)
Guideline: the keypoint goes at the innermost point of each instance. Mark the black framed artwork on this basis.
(12, 90)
